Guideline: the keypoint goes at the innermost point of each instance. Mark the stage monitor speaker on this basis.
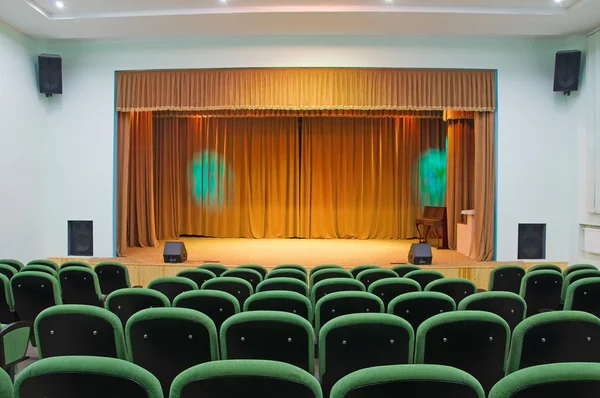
(566, 71)
(50, 74)
(420, 254)
(81, 238)
(174, 252)
(531, 242)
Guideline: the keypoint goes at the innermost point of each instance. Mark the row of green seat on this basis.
(167, 341)
(92, 377)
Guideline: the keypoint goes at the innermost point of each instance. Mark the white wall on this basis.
(536, 145)
(21, 140)
(586, 124)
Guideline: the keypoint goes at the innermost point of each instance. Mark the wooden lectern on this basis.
(435, 218)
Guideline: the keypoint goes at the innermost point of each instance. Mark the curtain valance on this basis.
(247, 113)
(342, 89)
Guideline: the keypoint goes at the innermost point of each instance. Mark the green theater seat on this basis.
(245, 378)
(89, 377)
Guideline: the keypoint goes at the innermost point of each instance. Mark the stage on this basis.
(146, 264)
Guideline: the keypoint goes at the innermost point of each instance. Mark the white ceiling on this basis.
(110, 19)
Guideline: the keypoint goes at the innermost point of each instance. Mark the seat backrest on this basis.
(287, 273)
(216, 269)
(574, 277)
(172, 286)
(417, 307)
(457, 288)
(408, 381)
(474, 341)
(545, 267)
(112, 276)
(324, 266)
(79, 285)
(291, 302)
(541, 291)
(8, 271)
(360, 268)
(6, 385)
(552, 337)
(7, 304)
(344, 303)
(47, 263)
(198, 275)
(373, 275)
(73, 329)
(89, 377)
(16, 264)
(75, 263)
(584, 295)
(33, 292)
(390, 288)
(424, 277)
(271, 335)
(333, 285)
(403, 269)
(237, 287)
(126, 302)
(578, 267)
(244, 378)
(39, 268)
(358, 341)
(216, 304)
(256, 267)
(509, 306)
(291, 266)
(247, 274)
(167, 341)
(328, 273)
(506, 278)
(551, 381)
(285, 284)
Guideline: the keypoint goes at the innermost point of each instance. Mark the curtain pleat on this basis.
(360, 89)
(123, 151)
(460, 172)
(142, 230)
(484, 186)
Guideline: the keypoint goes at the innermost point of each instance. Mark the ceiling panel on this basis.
(98, 8)
(159, 19)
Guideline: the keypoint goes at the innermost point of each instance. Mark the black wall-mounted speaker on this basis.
(50, 74)
(531, 242)
(566, 71)
(174, 252)
(420, 254)
(81, 238)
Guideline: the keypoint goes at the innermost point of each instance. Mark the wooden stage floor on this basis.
(145, 264)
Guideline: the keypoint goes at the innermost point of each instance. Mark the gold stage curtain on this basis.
(360, 89)
(484, 186)
(460, 172)
(226, 177)
(360, 177)
(135, 175)
(141, 178)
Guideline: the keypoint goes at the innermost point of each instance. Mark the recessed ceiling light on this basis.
(558, 1)
(223, 1)
(389, 1)
(59, 4)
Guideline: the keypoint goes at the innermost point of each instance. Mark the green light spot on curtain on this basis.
(432, 178)
(210, 175)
